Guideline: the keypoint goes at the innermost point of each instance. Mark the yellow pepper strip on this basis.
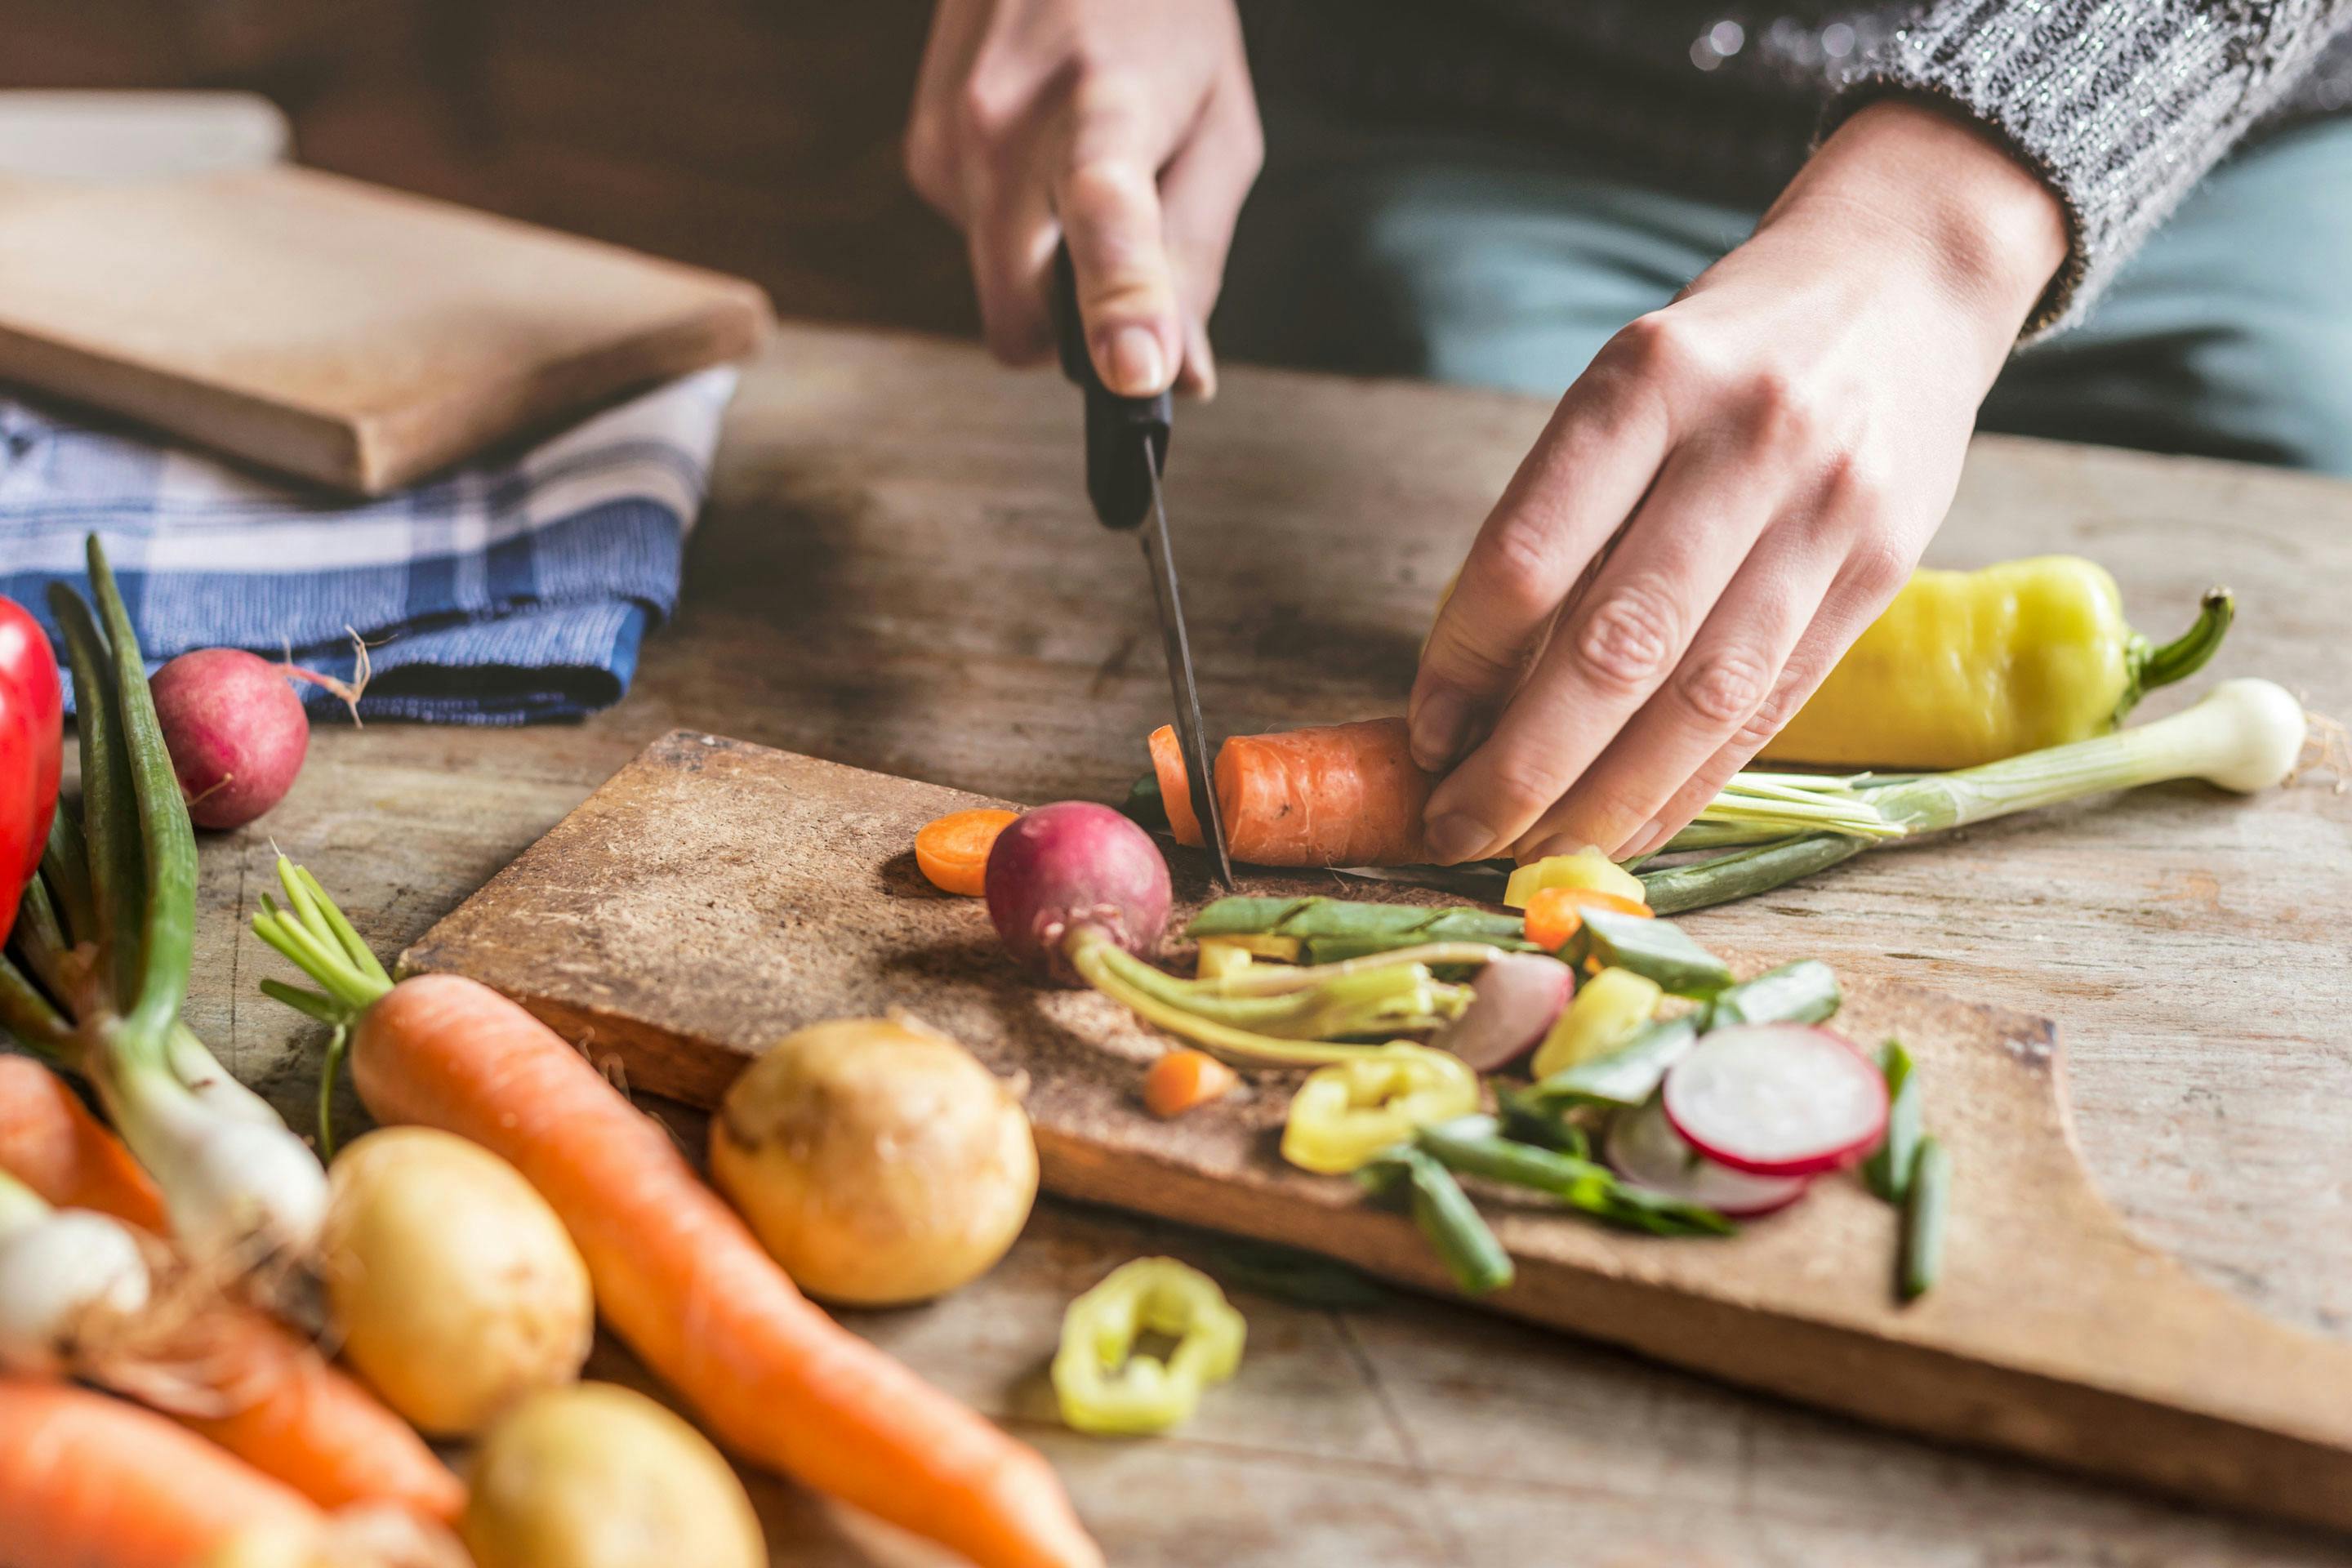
(1104, 1384)
(1222, 957)
(1346, 1114)
(1587, 869)
(1612, 1005)
(1966, 667)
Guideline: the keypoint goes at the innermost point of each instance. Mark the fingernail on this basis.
(1453, 839)
(1439, 727)
(1137, 368)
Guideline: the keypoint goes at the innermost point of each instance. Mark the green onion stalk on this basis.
(99, 970)
(2245, 735)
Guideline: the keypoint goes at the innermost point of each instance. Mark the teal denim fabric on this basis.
(1483, 259)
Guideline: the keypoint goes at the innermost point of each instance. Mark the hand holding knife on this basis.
(1126, 446)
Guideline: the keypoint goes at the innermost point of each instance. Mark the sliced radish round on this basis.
(1646, 1151)
(1514, 1003)
(1776, 1100)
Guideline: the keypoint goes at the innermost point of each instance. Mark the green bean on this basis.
(1923, 1213)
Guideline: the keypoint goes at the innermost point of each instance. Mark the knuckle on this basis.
(1725, 686)
(1854, 491)
(1878, 567)
(1515, 566)
(984, 114)
(1780, 412)
(1653, 346)
(1525, 784)
(1779, 705)
(1628, 639)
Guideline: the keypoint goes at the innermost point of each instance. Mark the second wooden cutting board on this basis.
(715, 895)
(335, 330)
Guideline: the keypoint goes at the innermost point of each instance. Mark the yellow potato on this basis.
(455, 1287)
(597, 1476)
(877, 1161)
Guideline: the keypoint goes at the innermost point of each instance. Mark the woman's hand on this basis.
(1130, 127)
(1728, 494)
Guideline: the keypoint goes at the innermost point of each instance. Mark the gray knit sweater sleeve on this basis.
(2121, 105)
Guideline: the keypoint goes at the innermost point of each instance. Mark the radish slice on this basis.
(1646, 1151)
(1776, 1100)
(1512, 1004)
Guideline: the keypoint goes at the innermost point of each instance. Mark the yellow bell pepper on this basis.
(1607, 1011)
(1971, 667)
(1346, 1114)
(1100, 1382)
(1586, 868)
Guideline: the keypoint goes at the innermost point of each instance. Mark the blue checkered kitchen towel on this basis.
(508, 591)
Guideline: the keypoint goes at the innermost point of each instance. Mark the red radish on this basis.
(1512, 1004)
(1075, 866)
(1776, 1100)
(235, 731)
(1647, 1152)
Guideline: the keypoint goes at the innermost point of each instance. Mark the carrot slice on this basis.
(1555, 914)
(953, 851)
(1342, 794)
(1175, 789)
(1180, 1080)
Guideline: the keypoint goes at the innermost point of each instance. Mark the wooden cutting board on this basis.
(715, 895)
(336, 331)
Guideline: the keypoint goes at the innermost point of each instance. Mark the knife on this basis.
(1127, 446)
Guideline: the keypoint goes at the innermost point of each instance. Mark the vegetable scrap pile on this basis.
(215, 1352)
(1581, 1048)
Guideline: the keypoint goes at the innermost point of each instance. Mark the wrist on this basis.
(1905, 175)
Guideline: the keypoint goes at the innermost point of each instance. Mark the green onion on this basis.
(2244, 735)
(1923, 1213)
(1888, 1171)
(1472, 1257)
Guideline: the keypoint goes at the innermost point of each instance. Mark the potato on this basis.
(455, 1287)
(598, 1476)
(876, 1159)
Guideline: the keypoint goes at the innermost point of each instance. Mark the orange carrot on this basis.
(282, 1406)
(1181, 1080)
(1346, 795)
(51, 1142)
(87, 1481)
(1554, 914)
(686, 1284)
(953, 851)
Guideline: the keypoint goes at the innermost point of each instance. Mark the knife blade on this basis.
(1127, 444)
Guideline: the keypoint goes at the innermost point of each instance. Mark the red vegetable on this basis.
(235, 731)
(1776, 1100)
(32, 750)
(1514, 1003)
(1646, 1151)
(1075, 864)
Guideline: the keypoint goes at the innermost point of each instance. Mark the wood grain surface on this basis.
(899, 572)
(335, 330)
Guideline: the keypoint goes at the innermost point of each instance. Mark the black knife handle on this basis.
(1116, 481)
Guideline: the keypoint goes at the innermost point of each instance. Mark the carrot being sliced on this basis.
(1555, 914)
(953, 851)
(687, 1285)
(1342, 794)
(87, 1481)
(271, 1398)
(1181, 1080)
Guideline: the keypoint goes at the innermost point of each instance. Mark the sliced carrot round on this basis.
(1181, 1080)
(953, 851)
(1555, 914)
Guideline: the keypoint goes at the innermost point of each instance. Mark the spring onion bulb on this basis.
(2245, 735)
(65, 1276)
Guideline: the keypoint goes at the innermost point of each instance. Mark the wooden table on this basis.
(898, 571)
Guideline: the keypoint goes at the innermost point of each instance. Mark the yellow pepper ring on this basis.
(1346, 1114)
(1104, 1385)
